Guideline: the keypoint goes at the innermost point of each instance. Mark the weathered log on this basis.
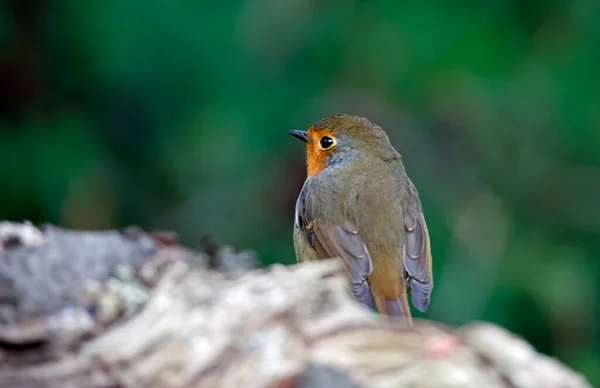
(293, 326)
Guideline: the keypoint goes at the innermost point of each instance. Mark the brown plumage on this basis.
(357, 203)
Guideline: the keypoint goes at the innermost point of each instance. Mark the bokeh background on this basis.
(174, 115)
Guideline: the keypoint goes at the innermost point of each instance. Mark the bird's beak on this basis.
(299, 134)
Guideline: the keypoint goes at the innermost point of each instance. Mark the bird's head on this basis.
(342, 138)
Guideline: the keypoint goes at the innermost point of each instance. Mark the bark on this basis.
(293, 326)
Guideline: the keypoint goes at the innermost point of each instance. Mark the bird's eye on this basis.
(326, 142)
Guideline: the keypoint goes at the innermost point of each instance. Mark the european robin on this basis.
(359, 204)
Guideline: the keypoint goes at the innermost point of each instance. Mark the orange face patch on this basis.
(316, 157)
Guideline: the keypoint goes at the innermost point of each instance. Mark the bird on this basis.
(358, 204)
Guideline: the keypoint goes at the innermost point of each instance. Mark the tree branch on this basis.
(293, 326)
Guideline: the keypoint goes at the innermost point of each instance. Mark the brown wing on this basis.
(329, 241)
(417, 260)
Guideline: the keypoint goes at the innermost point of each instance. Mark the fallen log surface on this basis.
(228, 325)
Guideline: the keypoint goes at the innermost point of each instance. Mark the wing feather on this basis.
(337, 241)
(417, 261)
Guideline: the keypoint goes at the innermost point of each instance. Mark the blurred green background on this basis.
(174, 115)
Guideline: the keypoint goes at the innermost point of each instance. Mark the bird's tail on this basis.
(395, 308)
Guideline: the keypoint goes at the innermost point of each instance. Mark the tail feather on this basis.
(393, 308)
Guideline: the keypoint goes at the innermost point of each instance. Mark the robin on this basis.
(359, 204)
